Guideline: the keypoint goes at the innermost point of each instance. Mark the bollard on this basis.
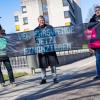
(32, 63)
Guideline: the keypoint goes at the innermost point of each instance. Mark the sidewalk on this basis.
(76, 83)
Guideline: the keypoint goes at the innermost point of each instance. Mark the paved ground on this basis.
(76, 83)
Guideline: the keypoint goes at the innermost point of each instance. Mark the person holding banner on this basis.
(5, 60)
(46, 58)
(96, 19)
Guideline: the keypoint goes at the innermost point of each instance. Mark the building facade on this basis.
(56, 12)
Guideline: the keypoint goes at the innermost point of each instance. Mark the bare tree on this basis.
(90, 13)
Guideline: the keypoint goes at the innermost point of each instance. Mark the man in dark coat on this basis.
(47, 58)
(96, 19)
(96, 16)
(6, 61)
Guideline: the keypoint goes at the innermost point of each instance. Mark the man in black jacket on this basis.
(47, 58)
(96, 16)
(96, 19)
(6, 61)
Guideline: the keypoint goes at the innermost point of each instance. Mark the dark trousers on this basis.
(97, 54)
(6, 62)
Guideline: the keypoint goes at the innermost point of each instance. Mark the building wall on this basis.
(55, 13)
(33, 11)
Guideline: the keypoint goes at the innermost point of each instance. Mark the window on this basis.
(44, 6)
(46, 19)
(45, 10)
(25, 20)
(17, 28)
(24, 9)
(65, 3)
(16, 19)
(66, 14)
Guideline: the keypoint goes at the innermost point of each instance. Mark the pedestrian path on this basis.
(75, 83)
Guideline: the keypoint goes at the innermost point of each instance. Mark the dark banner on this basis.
(59, 39)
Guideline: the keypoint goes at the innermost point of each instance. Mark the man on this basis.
(6, 61)
(96, 18)
(48, 58)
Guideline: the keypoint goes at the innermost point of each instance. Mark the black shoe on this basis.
(43, 81)
(55, 80)
(97, 78)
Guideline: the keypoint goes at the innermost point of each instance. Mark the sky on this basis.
(86, 5)
(8, 7)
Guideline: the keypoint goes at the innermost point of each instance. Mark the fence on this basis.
(22, 61)
(18, 62)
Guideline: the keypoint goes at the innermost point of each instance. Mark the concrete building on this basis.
(56, 12)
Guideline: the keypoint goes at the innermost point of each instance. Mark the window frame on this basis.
(16, 18)
(24, 20)
(67, 14)
(24, 11)
(64, 4)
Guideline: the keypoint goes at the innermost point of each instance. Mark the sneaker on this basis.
(96, 78)
(13, 84)
(55, 80)
(2, 85)
(43, 81)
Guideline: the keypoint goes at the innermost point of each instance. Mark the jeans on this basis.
(9, 69)
(53, 70)
(97, 54)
